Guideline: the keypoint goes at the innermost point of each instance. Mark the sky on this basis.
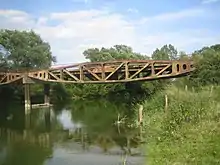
(72, 26)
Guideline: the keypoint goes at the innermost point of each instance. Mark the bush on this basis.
(188, 132)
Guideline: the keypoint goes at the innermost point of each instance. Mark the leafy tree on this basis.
(183, 56)
(22, 50)
(167, 52)
(216, 47)
(25, 49)
(3, 57)
(117, 52)
(207, 65)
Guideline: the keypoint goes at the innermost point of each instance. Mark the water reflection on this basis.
(96, 131)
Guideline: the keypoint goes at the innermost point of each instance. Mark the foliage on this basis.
(22, 50)
(187, 133)
(167, 52)
(25, 50)
(207, 65)
(117, 52)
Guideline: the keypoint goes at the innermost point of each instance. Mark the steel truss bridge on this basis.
(102, 72)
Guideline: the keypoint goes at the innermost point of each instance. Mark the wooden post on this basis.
(166, 103)
(186, 88)
(140, 112)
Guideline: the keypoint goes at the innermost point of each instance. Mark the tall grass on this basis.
(188, 133)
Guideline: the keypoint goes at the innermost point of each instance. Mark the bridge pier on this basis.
(47, 94)
(27, 98)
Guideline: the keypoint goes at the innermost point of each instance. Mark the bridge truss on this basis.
(104, 72)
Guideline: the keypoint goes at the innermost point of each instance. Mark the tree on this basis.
(22, 50)
(25, 49)
(3, 57)
(207, 65)
(167, 52)
(117, 52)
(183, 56)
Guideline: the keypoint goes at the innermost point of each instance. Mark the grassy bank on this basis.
(188, 132)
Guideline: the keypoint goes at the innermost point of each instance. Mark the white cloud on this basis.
(209, 1)
(70, 33)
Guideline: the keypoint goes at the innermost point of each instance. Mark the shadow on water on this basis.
(83, 132)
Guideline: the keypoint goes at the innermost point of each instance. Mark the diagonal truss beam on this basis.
(114, 71)
(53, 75)
(135, 74)
(162, 70)
(92, 73)
(4, 77)
(71, 75)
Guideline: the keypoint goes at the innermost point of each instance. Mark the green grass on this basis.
(188, 133)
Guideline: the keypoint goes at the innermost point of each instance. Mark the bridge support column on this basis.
(27, 98)
(47, 94)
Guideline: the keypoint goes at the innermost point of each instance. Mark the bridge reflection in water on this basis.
(26, 136)
(45, 136)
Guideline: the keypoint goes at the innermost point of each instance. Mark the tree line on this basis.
(27, 50)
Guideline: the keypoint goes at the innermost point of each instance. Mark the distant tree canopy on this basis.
(24, 50)
(207, 62)
(167, 52)
(117, 52)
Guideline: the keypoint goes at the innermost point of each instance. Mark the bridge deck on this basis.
(105, 72)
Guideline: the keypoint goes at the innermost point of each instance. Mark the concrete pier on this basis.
(47, 94)
(27, 98)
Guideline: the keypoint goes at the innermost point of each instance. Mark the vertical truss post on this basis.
(152, 69)
(61, 74)
(103, 71)
(126, 70)
(81, 77)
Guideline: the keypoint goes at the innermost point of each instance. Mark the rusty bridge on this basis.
(103, 72)
(100, 72)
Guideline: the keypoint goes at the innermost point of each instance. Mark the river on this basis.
(79, 133)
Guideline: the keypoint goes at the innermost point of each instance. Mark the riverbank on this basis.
(187, 131)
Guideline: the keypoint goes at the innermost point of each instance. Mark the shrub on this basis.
(188, 132)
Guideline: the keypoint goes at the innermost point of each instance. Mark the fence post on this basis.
(186, 88)
(166, 104)
(140, 112)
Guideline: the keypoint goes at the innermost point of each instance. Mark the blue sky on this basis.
(71, 26)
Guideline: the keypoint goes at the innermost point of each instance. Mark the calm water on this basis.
(81, 133)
